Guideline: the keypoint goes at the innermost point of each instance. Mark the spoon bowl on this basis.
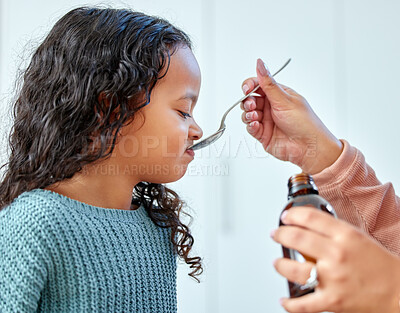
(209, 140)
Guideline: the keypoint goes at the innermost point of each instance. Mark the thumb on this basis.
(271, 88)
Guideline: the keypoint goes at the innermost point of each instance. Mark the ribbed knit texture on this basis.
(358, 197)
(61, 255)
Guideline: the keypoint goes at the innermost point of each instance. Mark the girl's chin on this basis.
(170, 175)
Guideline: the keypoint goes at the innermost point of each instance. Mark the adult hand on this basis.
(355, 273)
(286, 126)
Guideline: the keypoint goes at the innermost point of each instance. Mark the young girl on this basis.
(103, 119)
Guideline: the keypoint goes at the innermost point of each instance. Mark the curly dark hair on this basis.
(92, 73)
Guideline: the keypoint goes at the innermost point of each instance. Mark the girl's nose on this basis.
(195, 131)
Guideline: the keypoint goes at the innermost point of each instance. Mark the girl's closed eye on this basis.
(184, 114)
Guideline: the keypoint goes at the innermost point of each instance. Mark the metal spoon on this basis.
(214, 137)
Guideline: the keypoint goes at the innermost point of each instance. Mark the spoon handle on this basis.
(236, 103)
(248, 95)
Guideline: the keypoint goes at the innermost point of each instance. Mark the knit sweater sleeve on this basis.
(24, 257)
(358, 197)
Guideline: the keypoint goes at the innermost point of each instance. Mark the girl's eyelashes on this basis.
(184, 114)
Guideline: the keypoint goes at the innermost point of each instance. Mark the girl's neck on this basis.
(107, 191)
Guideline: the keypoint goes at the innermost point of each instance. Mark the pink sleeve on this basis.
(358, 197)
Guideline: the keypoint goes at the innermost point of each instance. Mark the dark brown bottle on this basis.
(303, 192)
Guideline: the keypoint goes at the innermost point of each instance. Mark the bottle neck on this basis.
(302, 192)
(301, 184)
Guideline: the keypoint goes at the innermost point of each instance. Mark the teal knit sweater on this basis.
(61, 255)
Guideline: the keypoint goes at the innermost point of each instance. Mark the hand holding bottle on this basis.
(286, 126)
(302, 191)
(355, 273)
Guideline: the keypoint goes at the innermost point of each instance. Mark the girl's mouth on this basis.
(190, 152)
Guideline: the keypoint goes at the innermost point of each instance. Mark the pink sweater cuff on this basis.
(338, 171)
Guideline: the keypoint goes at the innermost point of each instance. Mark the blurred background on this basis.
(344, 62)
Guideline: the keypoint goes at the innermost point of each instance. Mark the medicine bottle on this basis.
(303, 192)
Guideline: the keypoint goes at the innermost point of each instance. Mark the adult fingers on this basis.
(271, 88)
(248, 104)
(255, 103)
(249, 84)
(314, 220)
(307, 242)
(294, 271)
(311, 303)
(255, 129)
(251, 116)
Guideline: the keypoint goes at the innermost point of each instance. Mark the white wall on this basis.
(344, 61)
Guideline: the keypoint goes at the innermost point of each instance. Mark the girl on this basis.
(103, 119)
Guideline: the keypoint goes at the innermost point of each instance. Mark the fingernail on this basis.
(261, 68)
(272, 233)
(248, 115)
(283, 216)
(281, 301)
(245, 89)
(247, 105)
(252, 124)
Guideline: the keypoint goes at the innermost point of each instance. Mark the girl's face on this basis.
(154, 147)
